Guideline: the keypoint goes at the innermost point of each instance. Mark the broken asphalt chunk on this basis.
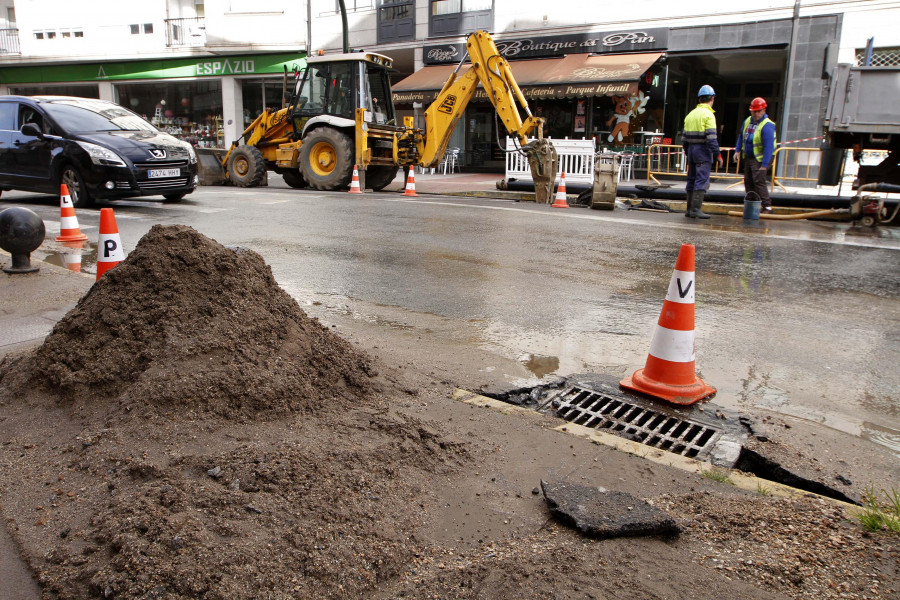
(606, 514)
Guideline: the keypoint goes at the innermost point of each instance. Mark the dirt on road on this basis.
(188, 431)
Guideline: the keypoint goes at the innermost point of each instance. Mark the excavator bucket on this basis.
(209, 166)
(544, 162)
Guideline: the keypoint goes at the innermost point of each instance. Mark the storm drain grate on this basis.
(593, 409)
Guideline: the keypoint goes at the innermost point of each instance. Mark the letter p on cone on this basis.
(669, 373)
(69, 231)
(109, 246)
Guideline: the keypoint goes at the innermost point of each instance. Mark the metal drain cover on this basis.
(648, 425)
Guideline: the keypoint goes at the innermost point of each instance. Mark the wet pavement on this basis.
(797, 318)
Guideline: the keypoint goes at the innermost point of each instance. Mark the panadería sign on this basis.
(638, 40)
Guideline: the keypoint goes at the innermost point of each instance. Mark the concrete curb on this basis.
(740, 480)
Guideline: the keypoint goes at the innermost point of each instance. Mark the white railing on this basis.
(576, 160)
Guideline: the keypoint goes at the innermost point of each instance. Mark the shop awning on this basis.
(572, 76)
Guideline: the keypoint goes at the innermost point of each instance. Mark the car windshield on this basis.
(85, 116)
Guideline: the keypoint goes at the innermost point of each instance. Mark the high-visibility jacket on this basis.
(763, 142)
(700, 141)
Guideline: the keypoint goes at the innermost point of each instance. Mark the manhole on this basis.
(641, 424)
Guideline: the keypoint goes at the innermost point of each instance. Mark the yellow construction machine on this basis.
(341, 114)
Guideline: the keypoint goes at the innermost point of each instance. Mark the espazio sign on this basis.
(156, 69)
(638, 40)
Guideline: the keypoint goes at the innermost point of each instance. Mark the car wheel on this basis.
(326, 159)
(174, 197)
(77, 190)
(294, 178)
(246, 166)
(379, 177)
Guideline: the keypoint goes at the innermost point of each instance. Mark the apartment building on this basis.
(203, 69)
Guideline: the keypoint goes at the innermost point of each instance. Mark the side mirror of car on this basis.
(30, 129)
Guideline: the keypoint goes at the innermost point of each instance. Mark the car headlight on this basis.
(102, 156)
(191, 153)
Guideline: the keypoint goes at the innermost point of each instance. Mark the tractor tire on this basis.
(326, 159)
(246, 166)
(294, 178)
(378, 178)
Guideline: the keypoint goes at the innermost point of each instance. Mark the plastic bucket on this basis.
(752, 206)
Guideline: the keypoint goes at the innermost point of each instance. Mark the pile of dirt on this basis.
(187, 431)
(186, 322)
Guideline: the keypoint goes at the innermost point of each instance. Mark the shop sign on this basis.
(159, 69)
(637, 40)
(537, 92)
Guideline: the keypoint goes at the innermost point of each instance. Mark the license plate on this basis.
(155, 173)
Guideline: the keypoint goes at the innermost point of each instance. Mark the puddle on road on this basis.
(79, 257)
(540, 365)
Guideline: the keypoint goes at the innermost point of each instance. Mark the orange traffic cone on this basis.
(109, 247)
(354, 183)
(411, 183)
(68, 222)
(561, 193)
(669, 372)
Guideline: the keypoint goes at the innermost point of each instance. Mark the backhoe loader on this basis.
(341, 114)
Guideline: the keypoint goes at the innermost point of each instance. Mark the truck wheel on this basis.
(246, 167)
(326, 159)
(379, 177)
(294, 178)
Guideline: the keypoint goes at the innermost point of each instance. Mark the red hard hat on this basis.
(758, 104)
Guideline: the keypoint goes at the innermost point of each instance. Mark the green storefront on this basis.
(205, 100)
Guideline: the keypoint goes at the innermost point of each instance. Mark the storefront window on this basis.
(633, 122)
(80, 91)
(261, 94)
(191, 111)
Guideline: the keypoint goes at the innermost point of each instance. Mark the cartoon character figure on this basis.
(622, 118)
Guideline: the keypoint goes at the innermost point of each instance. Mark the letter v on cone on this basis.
(669, 373)
(109, 246)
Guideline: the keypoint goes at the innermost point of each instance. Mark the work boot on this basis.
(689, 213)
(697, 205)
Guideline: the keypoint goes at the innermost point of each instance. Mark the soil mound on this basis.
(186, 322)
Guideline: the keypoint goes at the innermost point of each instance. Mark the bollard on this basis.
(21, 232)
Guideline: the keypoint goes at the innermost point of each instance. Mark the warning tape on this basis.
(803, 140)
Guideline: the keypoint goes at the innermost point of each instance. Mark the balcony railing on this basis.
(186, 32)
(9, 41)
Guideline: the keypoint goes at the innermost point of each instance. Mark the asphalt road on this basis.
(797, 318)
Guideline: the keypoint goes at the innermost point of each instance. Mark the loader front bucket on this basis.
(209, 166)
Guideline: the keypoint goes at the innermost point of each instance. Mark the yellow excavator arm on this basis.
(492, 71)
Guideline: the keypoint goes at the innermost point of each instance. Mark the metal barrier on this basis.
(668, 160)
(796, 165)
(576, 160)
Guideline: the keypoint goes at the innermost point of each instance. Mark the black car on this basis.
(99, 149)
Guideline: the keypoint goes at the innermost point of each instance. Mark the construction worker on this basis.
(701, 147)
(757, 144)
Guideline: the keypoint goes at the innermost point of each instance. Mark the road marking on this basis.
(881, 245)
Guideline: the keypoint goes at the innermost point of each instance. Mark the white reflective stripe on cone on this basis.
(672, 345)
(109, 248)
(681, 287)
(66, 201)
(68, 223)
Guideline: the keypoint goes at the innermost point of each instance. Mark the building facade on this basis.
(623, 75)
(199, 70)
